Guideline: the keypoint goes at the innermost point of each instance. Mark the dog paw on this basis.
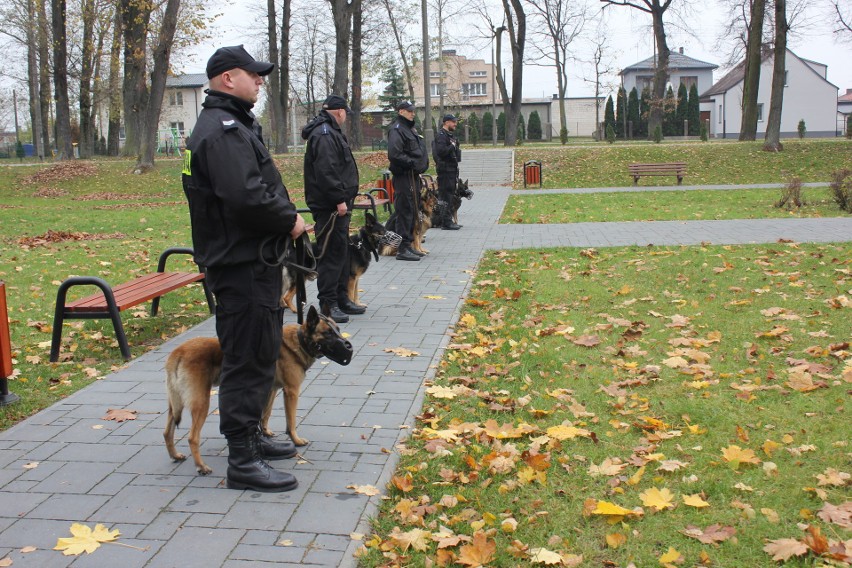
(203, 469)
(300, 441)
(178, 457)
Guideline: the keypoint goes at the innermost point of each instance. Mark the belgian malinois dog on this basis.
(193, 369)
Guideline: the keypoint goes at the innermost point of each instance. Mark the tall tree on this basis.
(633, 113)
(681, 113)
(693, 112)
(753, 59)
(356, 136)
(341, 11)
(44, 39)
(843, 13)
(516, 25)
(136, 15)
(278, 119)
(609, 114)
(621, 112)
(284, 72)
(403, 51)
(772, 141)
(64, 143)
(657, 9)
(32, 78)
(115, 98)
(88, 55)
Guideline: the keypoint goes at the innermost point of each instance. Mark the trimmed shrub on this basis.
(620, 112)
(841, 189)
(472, 129)
(609, 114)
(658, 134)
(802, 128)
(534, 126)
(693, 112)
(501, 126)
(610, 133)
(522, 130)
(487, 126)
(703, 132)
(563, 135)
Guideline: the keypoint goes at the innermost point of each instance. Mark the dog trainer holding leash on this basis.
(331, 184)
(447, 155)
(408, 159)
(236, 200)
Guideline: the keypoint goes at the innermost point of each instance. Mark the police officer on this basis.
(447, 154)
(236, 200)
(408, 159)
(331, 183)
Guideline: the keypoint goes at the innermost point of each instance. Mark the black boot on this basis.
(407, 254)
(272, 449)
(348, 307)
(333, 311)
(450, 226)
(247, 470)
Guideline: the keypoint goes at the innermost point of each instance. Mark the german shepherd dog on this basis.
(362, 245)
(462, 190)
(194, 368)
(427, 199)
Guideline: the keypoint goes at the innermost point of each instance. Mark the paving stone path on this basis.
(119, 474)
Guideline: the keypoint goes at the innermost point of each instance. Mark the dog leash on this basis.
(284, 250)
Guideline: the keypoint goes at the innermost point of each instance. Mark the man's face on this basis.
(407, 113)
(243, 84)
(450, 125)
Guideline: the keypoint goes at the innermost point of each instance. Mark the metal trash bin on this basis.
(532, 173)
(386, 183)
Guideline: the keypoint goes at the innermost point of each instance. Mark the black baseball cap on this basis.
(448, 117)
(405, 105)
(335, 102)
(235, 56)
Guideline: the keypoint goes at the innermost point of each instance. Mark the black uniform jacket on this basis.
(406, 149)
(446, 152)
(235, 192)
(331, 174)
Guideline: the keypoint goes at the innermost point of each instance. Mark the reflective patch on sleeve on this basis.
(187, 162)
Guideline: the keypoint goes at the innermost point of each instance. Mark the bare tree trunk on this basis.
(405, 65)
(32, 79)
(661, 73)
(115, 98)
(751, 81)
(136, 15)
(162, 53)
(87, 123)
(44, 75)
(279, 131)
(772, 142)
(284, 70)
(65, 147)
(342, 13)
(356, 137)
(516, 25)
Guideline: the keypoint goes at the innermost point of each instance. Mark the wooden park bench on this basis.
(660, 169)
(110, 301)
(368, 201)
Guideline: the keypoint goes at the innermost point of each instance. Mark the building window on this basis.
(437, 90)
(644, 82)
(760, 112)
(177, 126)
(437, 74)
(474, 89)
(688, 82)
(478, 73)
(720, 114)
(176, 98)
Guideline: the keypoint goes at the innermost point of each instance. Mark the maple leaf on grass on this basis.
(713, 534)
(418, 539)
(479, 552)
(695, 501)
(840, 515)
(672, 556)
(657, 499)
(736, 455)
(85, 539)
(546, 557)
(783, 549)
(833, 477)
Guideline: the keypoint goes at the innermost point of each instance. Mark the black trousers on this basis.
(333, 265)
(248, 323)
(406, 191)
(446, 194)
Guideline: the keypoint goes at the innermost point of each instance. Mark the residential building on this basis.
(458, 80)
(181, 105)
(683, 70)
(844, 109)
(808, 96)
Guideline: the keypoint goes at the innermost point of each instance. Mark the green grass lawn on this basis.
(605, 165)
(609, 407)
(98, 219)
(664, 206)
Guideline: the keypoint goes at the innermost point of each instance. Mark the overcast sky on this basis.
(629, 36)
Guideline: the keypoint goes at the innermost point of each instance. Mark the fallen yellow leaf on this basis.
(695, 501)
(85, 539)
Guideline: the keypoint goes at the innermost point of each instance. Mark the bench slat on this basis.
(136, 291)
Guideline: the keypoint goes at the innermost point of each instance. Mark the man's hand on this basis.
(298, 228)
(341, 209)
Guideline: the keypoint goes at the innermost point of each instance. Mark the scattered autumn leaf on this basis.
(783, 549)
(85, 539)
(368, 490)
(401, 351)
(695, 501)
(120, 414)
(657, 499)
(711, 535)
(479, 552)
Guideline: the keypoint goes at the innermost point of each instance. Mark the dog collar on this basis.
(312, 349)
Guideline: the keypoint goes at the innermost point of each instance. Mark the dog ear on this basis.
(313, 317)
